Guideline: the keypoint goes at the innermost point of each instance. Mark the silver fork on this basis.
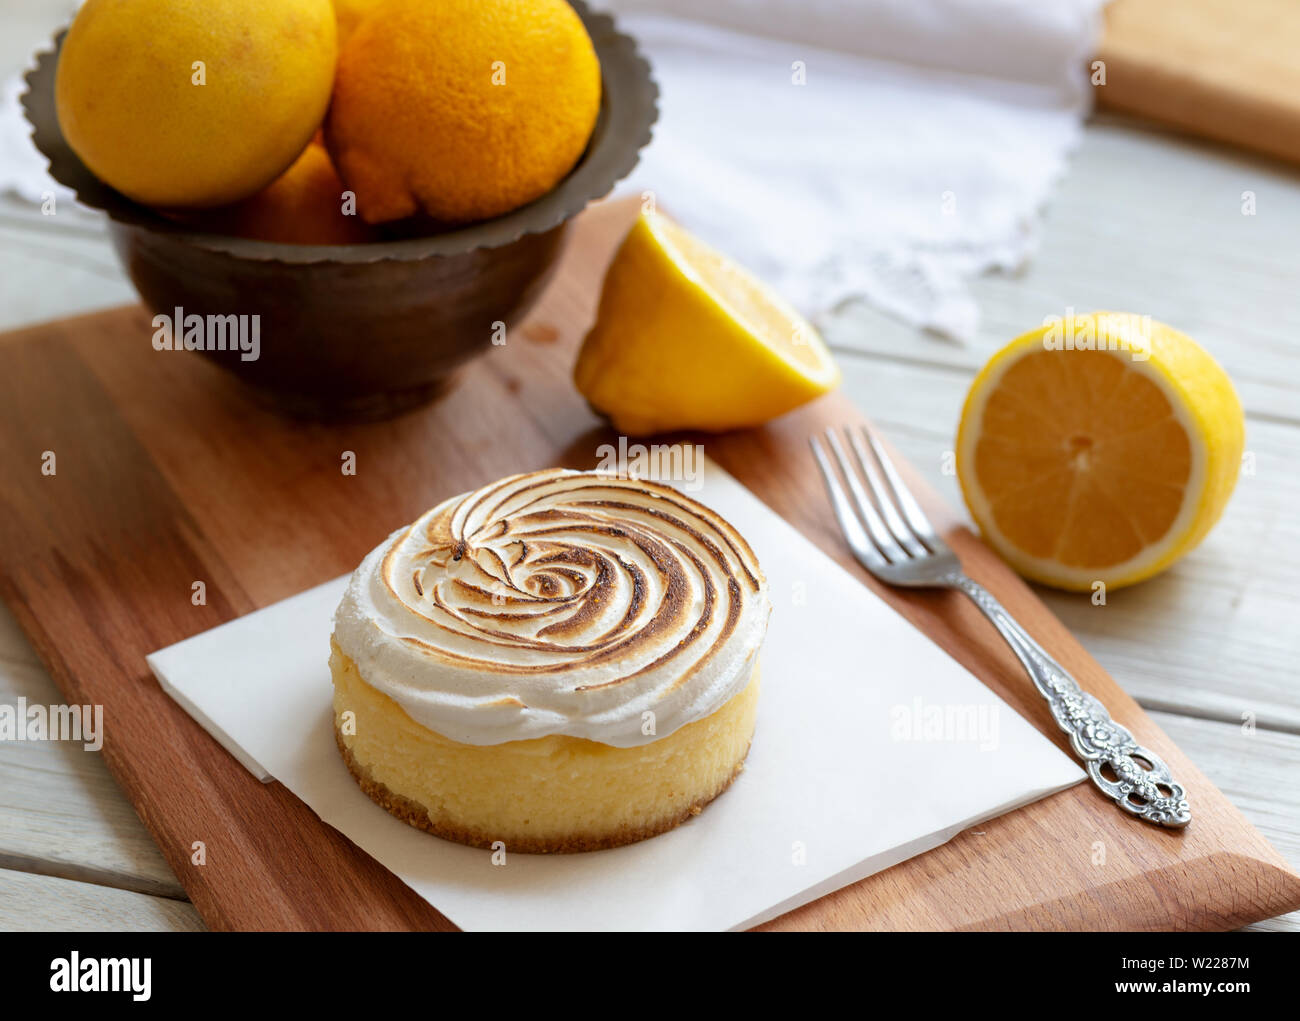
(899, 546)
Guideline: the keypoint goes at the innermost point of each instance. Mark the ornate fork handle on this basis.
(1151, 794)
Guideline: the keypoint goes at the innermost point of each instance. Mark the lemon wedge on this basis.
(1099, 448)
(686, 339)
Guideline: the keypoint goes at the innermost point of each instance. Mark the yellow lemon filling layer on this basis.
(554, 793)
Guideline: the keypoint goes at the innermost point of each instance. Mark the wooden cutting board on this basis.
(167, 474)
(1225, 69)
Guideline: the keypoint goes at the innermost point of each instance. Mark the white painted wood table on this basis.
(1143, 222)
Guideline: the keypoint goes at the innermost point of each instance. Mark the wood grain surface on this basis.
(40, 903)
(167, 475)
(1225, 69)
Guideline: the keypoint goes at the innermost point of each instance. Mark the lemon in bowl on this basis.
(189, 105)
(1099, 448)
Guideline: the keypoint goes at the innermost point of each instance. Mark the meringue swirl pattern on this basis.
(558, 602)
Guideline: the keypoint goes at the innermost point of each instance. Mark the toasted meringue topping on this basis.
(558, 602)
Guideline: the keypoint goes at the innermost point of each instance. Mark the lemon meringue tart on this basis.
(559, 661)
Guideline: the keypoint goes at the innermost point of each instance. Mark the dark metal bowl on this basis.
(363, 330)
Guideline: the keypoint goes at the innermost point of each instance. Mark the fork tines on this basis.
(897, 530)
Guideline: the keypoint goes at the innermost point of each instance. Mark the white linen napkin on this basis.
(22, 167)
(872, 746)
(917, 151)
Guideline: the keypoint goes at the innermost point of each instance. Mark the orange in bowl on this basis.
(193, 105)
(461, 109)
(306, 205)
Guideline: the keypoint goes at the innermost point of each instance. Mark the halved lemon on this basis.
(1099, 448)
(687, 339)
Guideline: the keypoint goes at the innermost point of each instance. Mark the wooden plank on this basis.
(1257, 769)
(1221, 68)
(1213, 635)
(1152, 224)
(31, 903)
(167, 475)
(72, 249)
(61, 814)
